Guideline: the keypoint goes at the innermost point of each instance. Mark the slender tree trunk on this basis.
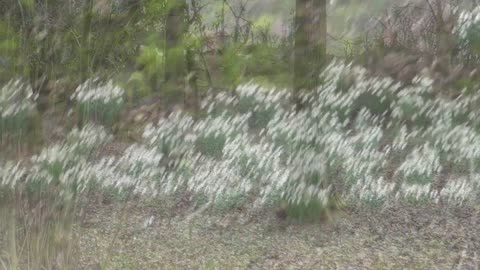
(39, 49)
(85, 46)
(192, 79)
(310, 45)
(85, 42)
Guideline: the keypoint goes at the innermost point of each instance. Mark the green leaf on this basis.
(28, 4)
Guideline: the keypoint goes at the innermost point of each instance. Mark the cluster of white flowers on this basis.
(61, 165)
(417, 191)
(372, 189)
(457, 189)
(16, 97)
(424, 160)
(467, 19)
(10, 173)
(57, 153)
(299, 156)
(467, 29)
(428, 127)
(101, 102)
(170, 135)
(88, 137)
(92, 91)
(263, 96)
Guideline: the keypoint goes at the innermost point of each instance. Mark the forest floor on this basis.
(160, 235)
(425, 237)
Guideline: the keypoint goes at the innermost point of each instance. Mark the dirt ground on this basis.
(399, 237)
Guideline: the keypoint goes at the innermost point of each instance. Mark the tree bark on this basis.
(310, 45)
(176, 26)
(87, 24)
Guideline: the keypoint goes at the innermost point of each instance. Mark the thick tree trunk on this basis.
(40, 49)
(310, 44)
(176, 26)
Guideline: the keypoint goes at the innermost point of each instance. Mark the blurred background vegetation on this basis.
(164, 53)
(56, 45)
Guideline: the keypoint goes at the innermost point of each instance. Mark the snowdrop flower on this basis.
(92, 91)
(16, 97)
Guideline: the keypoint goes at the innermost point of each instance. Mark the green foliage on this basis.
(211, 145)
(233, 65)
(264, 23)
(261, 117)
(111, 46)
(16, 126)
(100, 103)
(419, 179)
(28, 4)
(229, 202)
(112, 194)
(416, 201)
(59, 48)
(137, 86)
(372, 201)
(151, 68)
(412, 117)
(153, 8)
(473, 38)
(262, 28)
(246, 165)
(193, 42)
(42, 186)
(200, 200)
(107, 114)
(175, 59)
(466, 85)
(5, 195)
(265, 59)
(151, 60)
(311, 210)
(261, 113)
(18, 116)
(245, 104)
(374, 104)
(9, 48)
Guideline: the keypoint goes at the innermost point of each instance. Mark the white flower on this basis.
(91, 91)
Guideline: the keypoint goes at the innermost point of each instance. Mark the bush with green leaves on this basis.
(151, 63)
(99, 102)
(233, 64)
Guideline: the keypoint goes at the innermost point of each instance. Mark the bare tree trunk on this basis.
(192, 80)
(176, 26)
(310, 45)
(87, 24)
(85, 46)
(37, 21)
